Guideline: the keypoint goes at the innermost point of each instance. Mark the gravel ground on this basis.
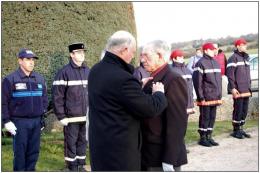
(231, 155)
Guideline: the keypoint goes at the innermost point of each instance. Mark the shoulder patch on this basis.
(40, 86)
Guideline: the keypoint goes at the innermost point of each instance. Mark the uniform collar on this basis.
(243, 54)
(177, 64)
(207, 56)
(75, 65)
(112, 58)
(23, 75)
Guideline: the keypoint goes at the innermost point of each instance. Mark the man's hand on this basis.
(158, 86)
(64, 121)
(203, 102)
(145, 80)
(10, 127)
(167, 167)
(235, 92)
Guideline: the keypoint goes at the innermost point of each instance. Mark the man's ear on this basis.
(19, 60)
(160, 56)
(123, 50)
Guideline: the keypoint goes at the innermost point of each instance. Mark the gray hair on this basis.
(159, 46)
(119, 40)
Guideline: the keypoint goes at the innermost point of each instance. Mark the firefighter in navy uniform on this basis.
(178, 64)
(207, 83)
(24, 102)
(239, 84)
(70, 100)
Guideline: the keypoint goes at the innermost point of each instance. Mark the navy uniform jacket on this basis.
(186, 74)
(207, 81)
(23, 96)
(140, 72)
(238, 73)
(70, 91)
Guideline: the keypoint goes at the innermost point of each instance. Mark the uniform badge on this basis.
(40, 86)
(20, 86)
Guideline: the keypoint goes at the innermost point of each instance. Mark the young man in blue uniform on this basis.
(24, 101)
(239, 85)
(178, 64)
(70, 98)
(207, 83)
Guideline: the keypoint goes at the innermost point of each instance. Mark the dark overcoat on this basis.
(116, 106)
(163, 135)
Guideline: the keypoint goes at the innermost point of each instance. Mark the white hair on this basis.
(119, 40)
(159, 46)
(103, 52)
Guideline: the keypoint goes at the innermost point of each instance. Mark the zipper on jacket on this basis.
(84, 94)
(215, 74)
(30, 85)
(247, 72)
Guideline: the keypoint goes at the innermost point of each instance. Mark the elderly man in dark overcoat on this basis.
(163, 136)
(116, 106)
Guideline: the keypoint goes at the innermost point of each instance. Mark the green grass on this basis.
(51, 154)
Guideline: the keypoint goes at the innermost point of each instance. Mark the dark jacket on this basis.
(207, 81)
(141, 73)
(69, 91)
(186, 74)
(23, 96)
(163, 136)
(238, 73)
(116, 106)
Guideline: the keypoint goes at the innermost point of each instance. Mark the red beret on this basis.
(240, 41)
(176, 53)
(207, 46)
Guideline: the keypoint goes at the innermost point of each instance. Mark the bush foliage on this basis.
(47, 28)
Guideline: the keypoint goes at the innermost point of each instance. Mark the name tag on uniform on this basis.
(40, 86)
(20, 86)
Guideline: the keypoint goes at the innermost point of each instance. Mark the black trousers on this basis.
(207, 118)
(240, 111)
(75, 144)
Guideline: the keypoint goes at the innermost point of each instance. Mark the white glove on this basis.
(64, 121)
(10, 127)
(167, 167)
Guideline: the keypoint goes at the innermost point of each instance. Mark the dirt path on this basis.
(231, 155)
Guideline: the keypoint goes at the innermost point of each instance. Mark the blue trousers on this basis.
(26, 143)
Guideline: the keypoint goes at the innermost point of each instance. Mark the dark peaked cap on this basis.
(76, 46)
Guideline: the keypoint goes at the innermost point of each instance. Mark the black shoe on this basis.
(237, 134)
(81, 168)
(212, 142)
(245, 134)
(73, 168)
(205, 143)
(187, 151)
